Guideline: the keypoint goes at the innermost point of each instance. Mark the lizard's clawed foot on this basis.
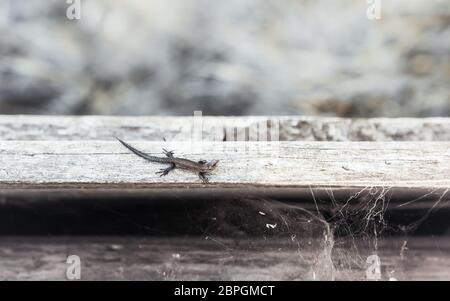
(162, 172)
(203, 177)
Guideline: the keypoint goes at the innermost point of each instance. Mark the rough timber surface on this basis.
(72, 156)
(79, 153)
(291, 128)
(108, 165)
(125, 258)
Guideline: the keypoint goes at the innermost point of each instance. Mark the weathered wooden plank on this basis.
(26, 127)
(108, 165)
(122, 258)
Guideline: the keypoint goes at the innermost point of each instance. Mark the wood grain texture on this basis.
(125, 258)
(291, 128)
(107, 164)
(57, 157)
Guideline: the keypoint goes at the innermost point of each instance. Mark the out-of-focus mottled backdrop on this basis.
(233, 57)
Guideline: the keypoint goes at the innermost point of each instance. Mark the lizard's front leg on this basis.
(202, 176)
(165, 171)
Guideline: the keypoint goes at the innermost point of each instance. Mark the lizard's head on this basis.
(211, 165)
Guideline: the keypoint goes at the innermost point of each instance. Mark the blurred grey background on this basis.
(234, 57)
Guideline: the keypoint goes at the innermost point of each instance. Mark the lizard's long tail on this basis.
(144, 155)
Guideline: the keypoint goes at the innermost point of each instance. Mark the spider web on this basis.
(266, 239)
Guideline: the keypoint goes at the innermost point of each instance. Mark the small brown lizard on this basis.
(202, 168)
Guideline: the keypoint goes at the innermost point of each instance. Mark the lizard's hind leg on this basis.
(165, 171)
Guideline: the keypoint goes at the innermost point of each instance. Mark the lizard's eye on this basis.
(213, 164)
